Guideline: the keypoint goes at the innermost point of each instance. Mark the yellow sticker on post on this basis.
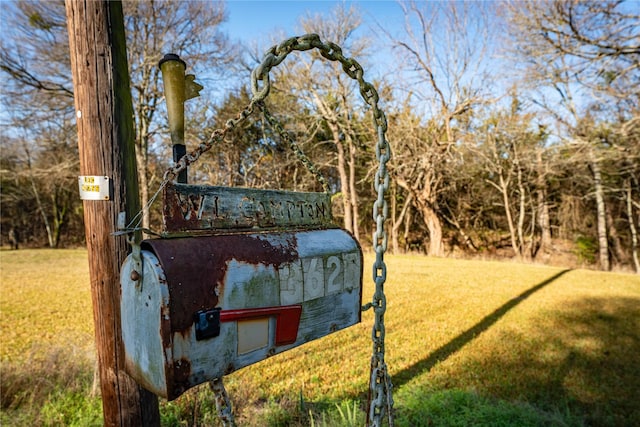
(94, 187)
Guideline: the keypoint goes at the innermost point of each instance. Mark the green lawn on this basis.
(468, 343)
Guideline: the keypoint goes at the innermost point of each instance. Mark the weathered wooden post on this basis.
(108, 185)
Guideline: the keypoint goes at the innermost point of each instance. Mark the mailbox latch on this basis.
(207, 323)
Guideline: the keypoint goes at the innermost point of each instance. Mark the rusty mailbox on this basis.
(246, 274)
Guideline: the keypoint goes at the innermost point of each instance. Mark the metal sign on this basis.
(201, 208)
(94, 187)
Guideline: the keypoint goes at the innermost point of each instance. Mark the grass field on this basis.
(468, 343)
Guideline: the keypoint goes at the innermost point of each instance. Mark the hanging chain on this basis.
(380, 387)
(223, 404)
(216, 136)
(275, 124)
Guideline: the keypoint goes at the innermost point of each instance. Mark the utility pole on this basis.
(104, 115)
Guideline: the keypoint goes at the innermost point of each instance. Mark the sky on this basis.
(250, 20)
(258, 25)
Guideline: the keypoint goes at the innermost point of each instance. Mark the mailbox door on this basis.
(146, 325)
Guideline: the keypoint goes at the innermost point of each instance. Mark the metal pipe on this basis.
(173, 75)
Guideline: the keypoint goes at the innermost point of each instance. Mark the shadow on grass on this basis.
(585, 357)
(574, 363)
(465, 337)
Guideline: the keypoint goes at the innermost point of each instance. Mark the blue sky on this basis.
(260, 24)
(251, 21)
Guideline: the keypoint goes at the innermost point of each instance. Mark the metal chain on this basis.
(223, 404)
(380, 387)
(275, 124)
(381, 396)
(216, 136)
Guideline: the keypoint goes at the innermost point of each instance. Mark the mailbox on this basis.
(204, 306)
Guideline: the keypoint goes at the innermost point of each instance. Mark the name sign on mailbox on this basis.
(207, 305)
(193, 208)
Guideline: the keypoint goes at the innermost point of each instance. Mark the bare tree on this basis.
(35, 56)
(38, 105)
(330, 100)
(190, 29)
(509, 151)
(587, 54)
(441, 56)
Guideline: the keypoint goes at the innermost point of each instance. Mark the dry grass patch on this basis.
(467, 341)
(45, 302)
(564, 341)
(47, 346)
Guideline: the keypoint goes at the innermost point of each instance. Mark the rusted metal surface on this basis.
(199, 208)
(272, 291)
(196, 267)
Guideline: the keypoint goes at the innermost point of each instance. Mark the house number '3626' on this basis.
(310, 278)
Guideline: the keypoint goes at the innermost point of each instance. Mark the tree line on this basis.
(514, 126)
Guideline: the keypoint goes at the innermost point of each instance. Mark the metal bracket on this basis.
(133, 239)
(137, 274)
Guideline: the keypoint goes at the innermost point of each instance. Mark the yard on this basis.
(468, 342)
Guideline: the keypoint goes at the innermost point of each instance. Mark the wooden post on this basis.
(104, 114)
